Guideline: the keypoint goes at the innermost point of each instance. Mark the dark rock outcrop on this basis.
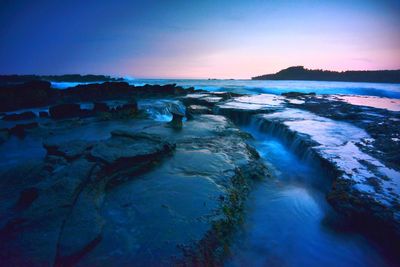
(20, 129)
(297, 94)
(27, 95)
(39, 94)
(100, 107)
(63, 111)
(28, 115)
(130, 108)
(4, 79)
(301, 73)
(43, 114)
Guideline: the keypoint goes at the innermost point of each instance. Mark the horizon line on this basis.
(153, 77)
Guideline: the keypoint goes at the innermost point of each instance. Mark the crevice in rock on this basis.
(58, 261)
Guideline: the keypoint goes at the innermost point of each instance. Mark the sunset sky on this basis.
(196, 39)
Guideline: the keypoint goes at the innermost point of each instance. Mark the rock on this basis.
(124, 148)
(180, 200)
(4, 134)
(168, 89)
(26, 198)
(61, 214)
(43, 114)
(63, 111)
(102, 201)
(196, 110)
(130, 108)
(19, 129)
(100, 107)
(126, 111)
(297, 94)
(26, 95)
(33, 240)
(204, 99)
(177, 115)
(28, 115)
(40, 94)
(69, 150)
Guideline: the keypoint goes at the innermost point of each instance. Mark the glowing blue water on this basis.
(271, 87)
(285, 222)
(64, 85)
(278, 87)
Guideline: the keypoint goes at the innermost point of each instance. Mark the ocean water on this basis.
(273, 87)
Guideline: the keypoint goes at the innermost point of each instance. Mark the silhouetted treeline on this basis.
(300, 73)
(56, 78)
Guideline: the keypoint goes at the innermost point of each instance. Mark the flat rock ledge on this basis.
(153, 197)
(361, 158)
(57, 221)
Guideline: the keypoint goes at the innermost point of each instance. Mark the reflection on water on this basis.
(285, 219)
(370, 101)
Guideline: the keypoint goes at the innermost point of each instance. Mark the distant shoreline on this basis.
(302, 74)
(57, 78)
(291, 74)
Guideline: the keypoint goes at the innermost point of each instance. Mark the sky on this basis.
(196, 39)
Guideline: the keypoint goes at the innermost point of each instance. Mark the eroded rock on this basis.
(102, 202)
(64, 111)
(20, 129)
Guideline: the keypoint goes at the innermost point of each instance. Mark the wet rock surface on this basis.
(381, 124)
(19, 116)
(111, 182)
(63, 111)
(144, 193)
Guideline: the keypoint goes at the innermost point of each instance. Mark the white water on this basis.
(278, 87)
(286, 218)
(272, 87)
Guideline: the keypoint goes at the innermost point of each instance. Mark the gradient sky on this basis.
(196, 39)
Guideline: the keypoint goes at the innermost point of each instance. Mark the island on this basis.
(301, 73)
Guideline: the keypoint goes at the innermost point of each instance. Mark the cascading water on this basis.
(287, 218)
(295, 141)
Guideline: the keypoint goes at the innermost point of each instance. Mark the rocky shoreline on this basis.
(104, 183)
(72, 204)
(362, 159)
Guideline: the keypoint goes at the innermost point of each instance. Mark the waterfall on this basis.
(301, 144)
(238, 116)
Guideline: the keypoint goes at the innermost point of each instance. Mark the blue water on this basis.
(274, 87)
(286, 219)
